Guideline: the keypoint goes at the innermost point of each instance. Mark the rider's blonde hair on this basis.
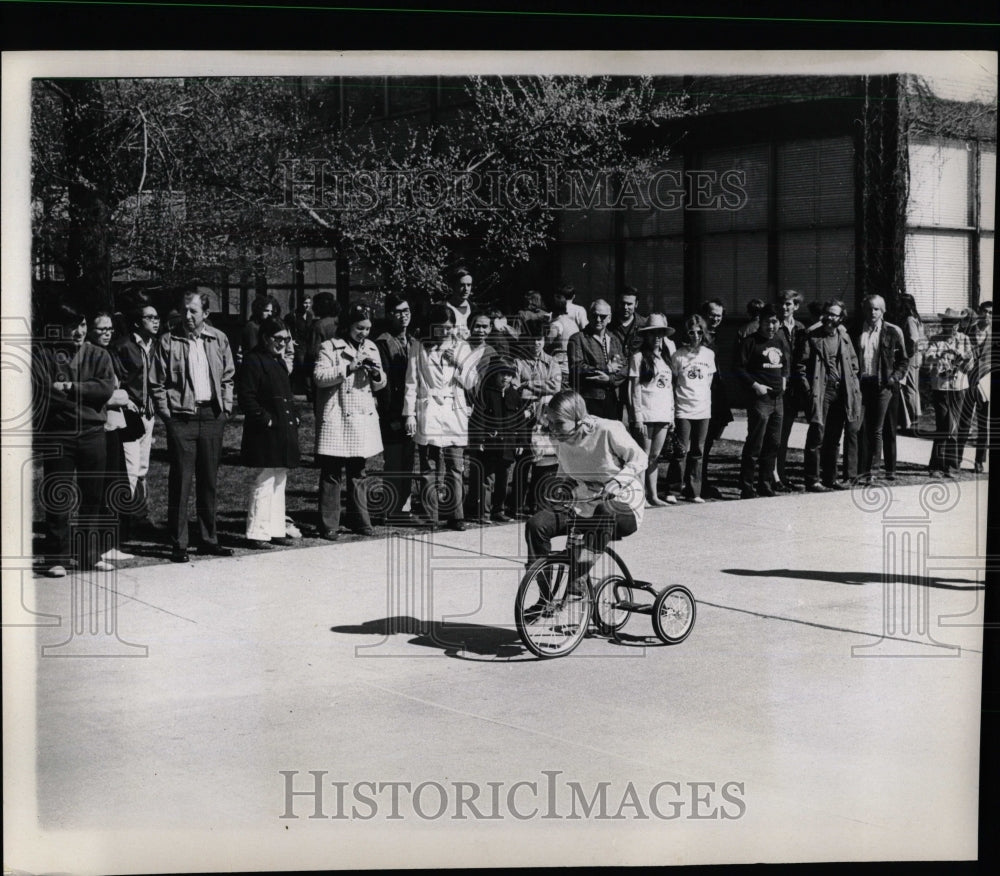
(569, 404)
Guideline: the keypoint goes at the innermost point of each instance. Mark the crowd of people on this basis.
(459, 409)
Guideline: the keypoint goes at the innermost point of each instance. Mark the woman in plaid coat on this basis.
(348, 371)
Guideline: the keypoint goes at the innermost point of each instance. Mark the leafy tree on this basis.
(164, 177)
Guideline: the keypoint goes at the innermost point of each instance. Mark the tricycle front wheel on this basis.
(551, 616)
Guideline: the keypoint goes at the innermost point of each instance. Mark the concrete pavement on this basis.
(909, 448)
(826, 707)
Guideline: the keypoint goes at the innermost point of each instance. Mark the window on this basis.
(815, 211)
(590, 268)
(654, 245)
(733, 242)
(946, 215)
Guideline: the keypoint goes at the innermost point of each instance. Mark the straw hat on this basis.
(657, 323)
(952, 315)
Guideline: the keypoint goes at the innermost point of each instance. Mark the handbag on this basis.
(673, 449)
(134, 427)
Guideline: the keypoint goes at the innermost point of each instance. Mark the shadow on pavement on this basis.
(856, 578)
(460, 640)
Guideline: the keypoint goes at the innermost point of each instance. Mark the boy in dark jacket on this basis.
(763, 363)
(497, 416)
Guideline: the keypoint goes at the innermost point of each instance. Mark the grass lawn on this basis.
(235, 481)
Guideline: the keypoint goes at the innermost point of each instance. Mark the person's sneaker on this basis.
(933, 473)
(748, 494)
(698, 500)
(116, 555)
(283, 542)
(259, 544)
(765, 489)
(890, 475)
(291, 530)
(711, 493)
(329, 536)
(56, 571)
(670, 499)
(501, 518)
(838, 485)
(457, 525)
(103, 566)
(817, 488)
(576, 590)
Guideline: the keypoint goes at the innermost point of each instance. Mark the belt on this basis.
(204, 404)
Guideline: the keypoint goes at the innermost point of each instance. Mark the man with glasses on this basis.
(192, 390)
(395, 346)
(827, 369)
(131, 354)
(597, 367)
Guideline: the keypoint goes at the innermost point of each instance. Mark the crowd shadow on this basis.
(857, 579)
(454, 639)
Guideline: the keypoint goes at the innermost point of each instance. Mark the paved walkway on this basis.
(909, 449)
(396, 660)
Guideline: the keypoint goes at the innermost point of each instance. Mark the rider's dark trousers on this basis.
(608, 522)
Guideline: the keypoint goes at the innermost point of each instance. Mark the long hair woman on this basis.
(605, 467)
(652, 398)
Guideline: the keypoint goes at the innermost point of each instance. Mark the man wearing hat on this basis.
(948, 359)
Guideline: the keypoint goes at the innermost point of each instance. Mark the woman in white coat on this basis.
(348, 371)
(439, 379)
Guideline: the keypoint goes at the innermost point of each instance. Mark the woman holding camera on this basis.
(347, 374)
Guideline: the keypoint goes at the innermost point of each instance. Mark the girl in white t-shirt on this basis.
(693, 366)
(652, 398)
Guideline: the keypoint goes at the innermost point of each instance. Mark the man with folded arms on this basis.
(597, 366)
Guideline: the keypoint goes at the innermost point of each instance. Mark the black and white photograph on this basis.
(494, 459)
